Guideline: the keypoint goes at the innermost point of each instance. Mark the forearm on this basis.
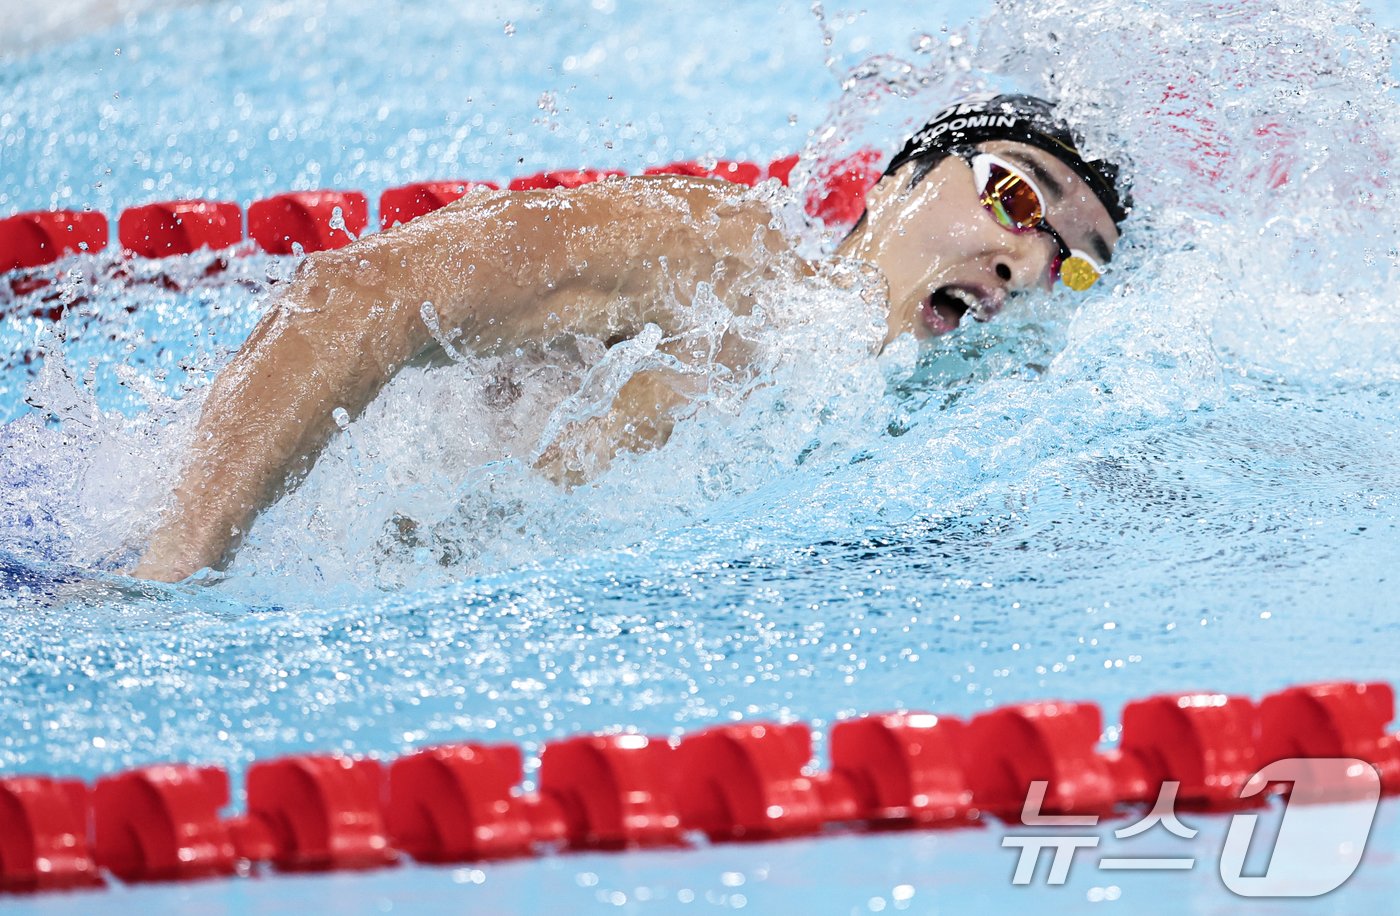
(269, 411)
(260, 412)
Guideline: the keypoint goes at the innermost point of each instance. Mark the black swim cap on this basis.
(1025, 119)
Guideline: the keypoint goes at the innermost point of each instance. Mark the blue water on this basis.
(1185, 480)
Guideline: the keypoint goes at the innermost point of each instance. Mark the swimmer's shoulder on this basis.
(643, 199)
(678, 196)
(622, 226)
(729, 215)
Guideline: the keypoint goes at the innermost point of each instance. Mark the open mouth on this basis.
(945, 307)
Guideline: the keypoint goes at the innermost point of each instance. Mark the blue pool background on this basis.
(1189, 483)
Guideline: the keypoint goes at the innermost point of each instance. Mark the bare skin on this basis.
(604, 260)
(938, 234)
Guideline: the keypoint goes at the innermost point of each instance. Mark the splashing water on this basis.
(1200, 453)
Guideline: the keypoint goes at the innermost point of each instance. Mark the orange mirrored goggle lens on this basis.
(1011, 199)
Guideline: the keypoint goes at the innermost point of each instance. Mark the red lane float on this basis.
(404, 204)
(44, 835)
(36, 239)
(562, 178)
(745, 173)
(904, 769)
(1333, 720)
(180, 227)
(781, 168)
(751, 782)
(1009, 748)
(1204, 741)
(458, 803)
(614, 791)
(310, 220)
(162, 823)
(838, 194)
(692, 169)
(321, 812)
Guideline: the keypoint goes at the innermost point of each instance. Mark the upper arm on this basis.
(492, 261)
(499, 268)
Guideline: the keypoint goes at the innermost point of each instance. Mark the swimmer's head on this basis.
(1021, 118)
(989, 198)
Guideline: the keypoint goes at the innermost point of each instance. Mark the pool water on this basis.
(1185, 479)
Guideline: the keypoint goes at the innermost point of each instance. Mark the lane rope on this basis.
(298, 222)
(463, 802)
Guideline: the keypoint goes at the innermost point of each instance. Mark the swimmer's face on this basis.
(944, 255)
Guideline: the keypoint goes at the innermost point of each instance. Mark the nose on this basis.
(1026, 263)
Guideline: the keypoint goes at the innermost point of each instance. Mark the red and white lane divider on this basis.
(319, 220)
(752, 781)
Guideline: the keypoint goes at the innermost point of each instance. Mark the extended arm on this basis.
(492, 266)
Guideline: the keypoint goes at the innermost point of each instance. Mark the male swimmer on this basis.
(990, 198)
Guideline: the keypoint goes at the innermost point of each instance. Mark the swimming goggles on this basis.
(1014, 201)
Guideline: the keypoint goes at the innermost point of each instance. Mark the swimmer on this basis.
(990, 198)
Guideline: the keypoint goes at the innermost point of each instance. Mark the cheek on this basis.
(971, 231)
(920, 257)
